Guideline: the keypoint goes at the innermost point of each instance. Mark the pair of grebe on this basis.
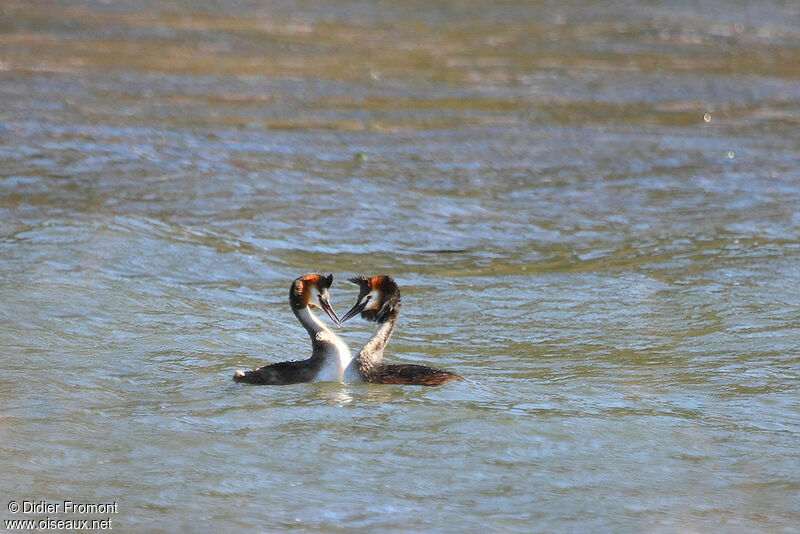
(378, 301)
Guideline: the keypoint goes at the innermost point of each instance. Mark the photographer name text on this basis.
(64, 507)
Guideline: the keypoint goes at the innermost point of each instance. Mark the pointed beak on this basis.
(355, 310)
(325, 304)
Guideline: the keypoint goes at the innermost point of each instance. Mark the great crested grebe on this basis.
(379, 301)
(330, 355)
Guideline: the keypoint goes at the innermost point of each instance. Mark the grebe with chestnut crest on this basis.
(379, 301)
(330, 355)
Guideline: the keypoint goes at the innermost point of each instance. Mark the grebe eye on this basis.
(369, 298)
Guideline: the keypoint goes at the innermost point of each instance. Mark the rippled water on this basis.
(592, 211)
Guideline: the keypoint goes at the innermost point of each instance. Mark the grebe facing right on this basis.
(330, 355)
(379, 301)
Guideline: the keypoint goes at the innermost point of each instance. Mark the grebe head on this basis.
(378, 296)
(313, 284)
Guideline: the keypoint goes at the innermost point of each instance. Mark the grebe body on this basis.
(379, 301)
(330, 356)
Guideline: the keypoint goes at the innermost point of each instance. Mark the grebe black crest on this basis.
(330, 355)
(379, 301)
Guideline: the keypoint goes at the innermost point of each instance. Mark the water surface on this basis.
(592, 211)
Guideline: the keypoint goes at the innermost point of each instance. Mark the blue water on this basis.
(591, 211)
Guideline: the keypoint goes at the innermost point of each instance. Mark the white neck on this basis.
(334, 352)
(310, 321)
(371, 354)
(373, 349)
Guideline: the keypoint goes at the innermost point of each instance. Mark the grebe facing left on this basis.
(330, 355)
(379, 301)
